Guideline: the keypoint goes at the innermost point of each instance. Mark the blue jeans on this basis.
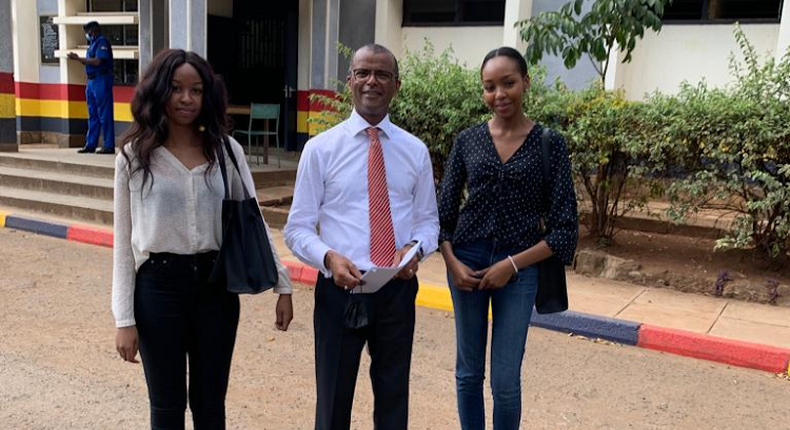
(512, 309)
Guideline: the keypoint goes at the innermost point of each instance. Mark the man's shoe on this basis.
(105, 151)
(86, 150)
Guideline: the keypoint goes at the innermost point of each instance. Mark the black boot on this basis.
(86, 150)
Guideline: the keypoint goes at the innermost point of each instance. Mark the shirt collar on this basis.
(357, 124)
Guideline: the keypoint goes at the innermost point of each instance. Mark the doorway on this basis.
(255, 51)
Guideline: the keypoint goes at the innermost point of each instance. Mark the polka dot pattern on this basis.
(505, 201)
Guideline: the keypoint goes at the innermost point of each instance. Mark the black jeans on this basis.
(389, 335)
(181, 317)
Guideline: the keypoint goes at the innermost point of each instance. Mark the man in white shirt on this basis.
(369, 185)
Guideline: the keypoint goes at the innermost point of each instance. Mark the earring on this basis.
(201, 128)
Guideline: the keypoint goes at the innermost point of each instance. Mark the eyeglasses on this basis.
(383, 77)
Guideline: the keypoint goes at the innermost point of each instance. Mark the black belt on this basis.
(204, 259)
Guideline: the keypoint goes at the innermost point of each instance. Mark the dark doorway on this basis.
(255, 52)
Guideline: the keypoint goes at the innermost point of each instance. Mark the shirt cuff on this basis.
(317, 253)
(125, 323)
(285, 289)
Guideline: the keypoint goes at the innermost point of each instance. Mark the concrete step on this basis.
(57, 183)
(87, 209)
(48, 161)
(278, 195)
(275, 217)
(103, 166)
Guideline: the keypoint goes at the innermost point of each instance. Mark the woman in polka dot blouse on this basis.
(491, 244)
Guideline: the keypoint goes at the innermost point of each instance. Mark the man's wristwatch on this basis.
(420, 254)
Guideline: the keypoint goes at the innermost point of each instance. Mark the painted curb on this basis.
(621, 331)
(680, 342)
(300, 272)
(432, 296)
(35, 226)
(735, 352)
(89, 235)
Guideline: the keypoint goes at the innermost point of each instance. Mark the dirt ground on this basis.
(690, 264)
(59, 369)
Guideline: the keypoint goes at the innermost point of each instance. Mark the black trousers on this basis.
(181, 318)
(389, 335)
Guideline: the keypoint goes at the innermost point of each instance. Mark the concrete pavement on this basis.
(743, 334)
(685, 314)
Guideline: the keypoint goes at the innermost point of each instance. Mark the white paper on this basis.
(377, 277)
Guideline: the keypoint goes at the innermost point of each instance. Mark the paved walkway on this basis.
(731, 319)
(734, 332)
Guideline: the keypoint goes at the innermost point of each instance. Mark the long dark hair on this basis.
(509, 52)
(150, 128)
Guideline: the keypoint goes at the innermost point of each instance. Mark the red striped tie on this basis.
(382, 235)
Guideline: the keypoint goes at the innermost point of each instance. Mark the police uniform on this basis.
(99, 95)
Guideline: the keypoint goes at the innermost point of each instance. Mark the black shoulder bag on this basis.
(552, 294)
(245, 263)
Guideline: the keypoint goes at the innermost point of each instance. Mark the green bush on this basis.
(438, 98)
(607, 140)
(737, 144)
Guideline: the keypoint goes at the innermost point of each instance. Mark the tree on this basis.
(609, 23)
(600, 136)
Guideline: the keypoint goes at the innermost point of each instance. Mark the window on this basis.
(724, 10)
(50, 41)
(112, 5)
(121, 35)
(125, 72)
(453, 12)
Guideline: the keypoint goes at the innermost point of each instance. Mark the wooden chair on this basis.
(267, 113)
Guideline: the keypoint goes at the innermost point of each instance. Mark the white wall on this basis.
(469, 44)
(27, 52)
(784, 33)
(389, 16)
(688, 52)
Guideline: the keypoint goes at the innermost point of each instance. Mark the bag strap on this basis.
(545, 146)
(220, 151)
(223, 169)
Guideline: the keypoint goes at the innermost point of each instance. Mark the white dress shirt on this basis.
(178, 211)
(332, 192)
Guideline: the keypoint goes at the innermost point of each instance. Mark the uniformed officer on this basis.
(98, 67)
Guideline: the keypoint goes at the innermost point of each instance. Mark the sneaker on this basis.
(105, 151)
(86, 150)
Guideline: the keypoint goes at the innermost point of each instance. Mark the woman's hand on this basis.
(127, 343)
(464, 278)
(497, 275)
(284, 312)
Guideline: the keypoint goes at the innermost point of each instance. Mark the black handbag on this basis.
(245, 263)
(552, 294)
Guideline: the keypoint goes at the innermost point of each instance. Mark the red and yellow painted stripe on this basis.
(7, 97)
(65, 101)
(309, 109)
(43, 101)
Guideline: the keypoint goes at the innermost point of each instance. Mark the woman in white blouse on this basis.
(168, 210)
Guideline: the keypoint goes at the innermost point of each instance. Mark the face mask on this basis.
(88, 36)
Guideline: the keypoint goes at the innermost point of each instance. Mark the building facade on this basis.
(282, 51)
